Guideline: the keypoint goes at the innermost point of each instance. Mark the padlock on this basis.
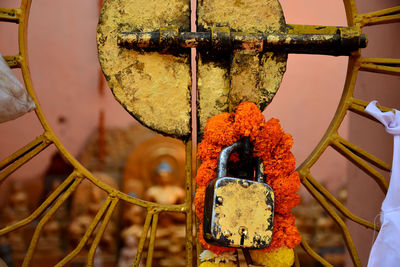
(238, 212)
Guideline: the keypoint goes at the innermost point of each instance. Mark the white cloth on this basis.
(386, 249)
(14, 99)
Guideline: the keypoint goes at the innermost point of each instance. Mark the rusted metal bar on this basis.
(342, 42)
(13, 61)
(10, 14)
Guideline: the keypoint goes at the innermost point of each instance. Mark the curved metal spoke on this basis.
(345, 232)
(349, 150)
(384, 16)
(358, 106)
(143, 237)
(351, 11)
(359, 162)
(313, 254)
(68, 185)
(23, 155)
(100, 232)
(152, 240)
(362, 154)
(381, 65)
(339, 206)
(87, 234)
(45, 219)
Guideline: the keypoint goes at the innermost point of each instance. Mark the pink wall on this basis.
(64, 68)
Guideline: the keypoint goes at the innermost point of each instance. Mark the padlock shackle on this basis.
(226, 152)
(260, 177)
(224, 157)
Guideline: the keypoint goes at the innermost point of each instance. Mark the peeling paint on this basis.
(152, 87)
(212, 98)
(245, 75)
(248, 208)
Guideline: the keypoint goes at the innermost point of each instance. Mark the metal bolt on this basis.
(269, 208)
(257, 237)
(219, 200)
(246, 184)
(291, 43)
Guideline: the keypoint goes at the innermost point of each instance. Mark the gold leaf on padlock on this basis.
(238, 212)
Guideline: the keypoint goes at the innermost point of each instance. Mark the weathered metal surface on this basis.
(226, 79)
(10, 14)
(342, 42)
(238, 212)
(152, 87)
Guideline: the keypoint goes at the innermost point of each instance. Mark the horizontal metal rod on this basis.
(343, 42)
(10, 14)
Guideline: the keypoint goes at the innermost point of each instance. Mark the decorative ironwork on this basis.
(330, 139)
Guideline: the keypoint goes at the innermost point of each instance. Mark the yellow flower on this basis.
(282, 257)
(221, 264)
(208, 255)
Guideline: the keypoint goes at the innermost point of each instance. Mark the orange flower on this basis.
(199, 201)
(275, 168)
(206, 151)
(206, 172)
(219, 130)
(285, 203)
(248, 120)
(272, 145)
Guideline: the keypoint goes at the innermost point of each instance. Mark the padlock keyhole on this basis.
(243, 232)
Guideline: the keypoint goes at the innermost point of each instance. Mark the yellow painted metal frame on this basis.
(331, 139)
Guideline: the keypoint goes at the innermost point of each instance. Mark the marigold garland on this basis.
(272, 145)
